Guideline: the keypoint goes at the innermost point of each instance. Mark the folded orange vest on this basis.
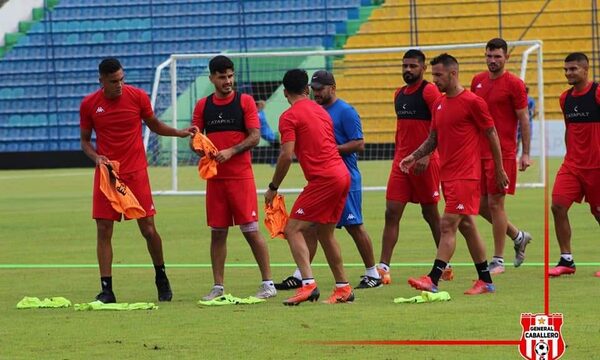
(119, 195)
(276, 217)
(207, 167)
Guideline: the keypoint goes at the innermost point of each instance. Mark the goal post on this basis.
(365, 78)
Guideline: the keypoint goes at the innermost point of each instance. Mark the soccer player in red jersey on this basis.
(114, 113)
(506, 98)
(459, 117)
(413, 104)
(579, 174)
(230, 121)
(307, 131)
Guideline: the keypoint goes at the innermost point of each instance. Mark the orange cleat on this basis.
(597, 274)
(308, 292)
(448, 274)
(481, 287)
(341, 295)
(385, 276)
(561, 270)
(423, 283)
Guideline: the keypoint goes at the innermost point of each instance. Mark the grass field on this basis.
(47, 241)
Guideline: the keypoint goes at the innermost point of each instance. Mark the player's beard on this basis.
(410, 78)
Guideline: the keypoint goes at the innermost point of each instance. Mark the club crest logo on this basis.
(541, 338)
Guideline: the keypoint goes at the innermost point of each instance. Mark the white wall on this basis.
(14, 11)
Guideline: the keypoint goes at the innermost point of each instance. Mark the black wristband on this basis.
(273, 187)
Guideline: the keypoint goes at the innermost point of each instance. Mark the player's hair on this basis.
(220, 63)
(577, 56)
(445, 59)
(415, 54)
(295, 81)
(497, 43)
(109, 66)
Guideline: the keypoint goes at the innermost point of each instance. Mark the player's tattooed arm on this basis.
(427, 146)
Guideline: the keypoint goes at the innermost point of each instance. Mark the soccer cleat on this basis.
(289, 283)
(481, 287)
(447, 274)
(597, 274)
(341, 295)
(520, 249)
(385, 276)
(265, 291)
(164, 289)
(561, 270)
(214, 293)
(496, 267)
(308, 292)
(107, 297)
(423, 283)
(368, 282)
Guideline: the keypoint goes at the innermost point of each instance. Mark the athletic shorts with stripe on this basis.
(322, 200)
(461, 196)
(231, 202)
(488, 177)
(573, 185)
(419, 189)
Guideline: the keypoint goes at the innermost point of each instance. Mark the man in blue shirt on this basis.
(266, 133)
(349, 138)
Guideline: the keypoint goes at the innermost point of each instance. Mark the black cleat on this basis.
(289, 284)
(164, 289)
(368, 282)
(107, 297)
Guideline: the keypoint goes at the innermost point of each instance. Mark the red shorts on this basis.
(231, 202)
(461, 196)
(419, 189)
(572, 185)
(488, 177)
(137, 182)
(322, 201)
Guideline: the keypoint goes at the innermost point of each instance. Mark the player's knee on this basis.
(392, 214)
(559, 210)
(148, 232)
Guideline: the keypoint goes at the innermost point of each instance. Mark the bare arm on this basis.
(163, 129)
(425, 149)
(352, 146)
(248, 143)
(501, 178)
(523, 116)
(88, 148)
(283, 165)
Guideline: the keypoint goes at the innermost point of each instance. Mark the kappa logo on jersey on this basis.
(439, 107)
(436, 194)
(220, 116)
(541, 338)
(351, 217)
(152, 207)
(253, 213)
(479, 86)
(300, 211)
(100, 109)
(460, 207)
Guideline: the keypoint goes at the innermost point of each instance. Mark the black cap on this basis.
(321, 78)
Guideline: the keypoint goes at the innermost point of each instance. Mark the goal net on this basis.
(365, 78)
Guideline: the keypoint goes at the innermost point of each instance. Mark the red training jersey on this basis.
(504, 96)
(411, 133)
(118, 125)
(582, 138)
(311, 127)
(238, 166)
(459, 122)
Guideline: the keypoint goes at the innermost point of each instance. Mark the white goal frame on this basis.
(533, 46)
